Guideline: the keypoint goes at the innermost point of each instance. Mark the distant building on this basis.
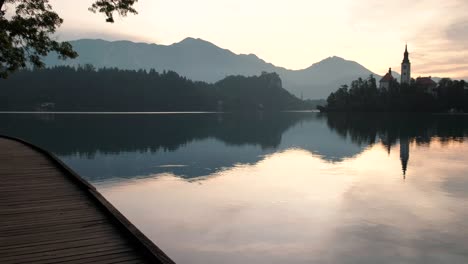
(387, 80)
(428, 85)
(406, 68)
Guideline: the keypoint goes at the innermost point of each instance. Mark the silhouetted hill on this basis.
(84, 89)
(318, 80)
(201, 60)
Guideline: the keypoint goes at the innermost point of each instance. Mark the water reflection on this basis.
(294, 207)
(194, 145)
(90, 134)
(392, 129)
(283, 188)
(105, 146)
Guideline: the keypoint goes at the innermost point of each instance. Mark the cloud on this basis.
(444, 42)
(436, 31)
(457, 33)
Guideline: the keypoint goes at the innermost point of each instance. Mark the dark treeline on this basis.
(87, 89)
(369, 128)
(364, 96)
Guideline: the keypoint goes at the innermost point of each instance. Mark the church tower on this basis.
(406, 68)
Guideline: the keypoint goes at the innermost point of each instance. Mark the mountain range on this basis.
(201, 60)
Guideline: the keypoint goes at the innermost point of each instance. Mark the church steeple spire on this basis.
(406, 55)
(406, 67)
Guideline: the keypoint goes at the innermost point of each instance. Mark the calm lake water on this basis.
(275, 188)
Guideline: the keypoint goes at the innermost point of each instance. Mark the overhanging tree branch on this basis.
(25, 37)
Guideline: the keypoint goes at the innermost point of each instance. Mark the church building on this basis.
(386, 81)
(428, 85)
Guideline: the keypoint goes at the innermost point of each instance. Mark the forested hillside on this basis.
(86, 89)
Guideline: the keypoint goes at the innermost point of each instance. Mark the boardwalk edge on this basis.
(149, 248)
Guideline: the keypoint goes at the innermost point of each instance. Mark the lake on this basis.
(291, 187)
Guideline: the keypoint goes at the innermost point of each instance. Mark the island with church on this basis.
(422, 94)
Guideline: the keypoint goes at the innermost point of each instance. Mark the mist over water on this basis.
(275, 188)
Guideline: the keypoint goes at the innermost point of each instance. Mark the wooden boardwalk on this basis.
(48, 214)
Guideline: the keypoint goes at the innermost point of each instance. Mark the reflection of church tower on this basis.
(406, 68)
(404, 154)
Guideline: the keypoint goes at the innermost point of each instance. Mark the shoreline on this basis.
(143, 113)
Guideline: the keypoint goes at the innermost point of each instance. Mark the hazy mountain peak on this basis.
(334, 63)
(202, 60)
(332, 60)
(194, 42)
(190, 40)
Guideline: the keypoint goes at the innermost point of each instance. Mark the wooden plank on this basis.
(56, 239)
(49, 228)
(113, 257)
(48, 248)
(44, 197)
(48, 214)
(28, 238)
(120, 257)
(38, 223)
(38, 209)
(92, 250)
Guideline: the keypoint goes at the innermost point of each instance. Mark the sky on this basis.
(296, 33)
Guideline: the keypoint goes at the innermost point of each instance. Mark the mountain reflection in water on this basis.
(197, 144)
(275, 188)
